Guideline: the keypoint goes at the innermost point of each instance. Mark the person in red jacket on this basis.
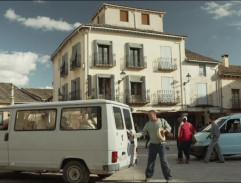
(185, 138)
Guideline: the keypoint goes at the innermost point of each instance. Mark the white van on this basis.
(77, 138)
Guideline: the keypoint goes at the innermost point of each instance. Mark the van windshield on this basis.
(219, 122)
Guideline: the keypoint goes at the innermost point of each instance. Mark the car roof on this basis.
(66, 103)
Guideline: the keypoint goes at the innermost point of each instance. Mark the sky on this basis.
(30, 31)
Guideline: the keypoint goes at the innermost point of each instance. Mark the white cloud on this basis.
(16, 67)
(219, 11)
(41, 22)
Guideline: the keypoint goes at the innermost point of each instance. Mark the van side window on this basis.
(84, 118)
(232, 126)
(34, 120)
(4, 119)
(127, 117)
(118, 118)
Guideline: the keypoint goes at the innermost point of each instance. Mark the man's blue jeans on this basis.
(155, 149)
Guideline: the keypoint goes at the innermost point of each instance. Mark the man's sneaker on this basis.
(206, 161)
(147, 179)
(220, 162)
(187, 161)
(180, 162)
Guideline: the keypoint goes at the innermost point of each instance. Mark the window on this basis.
(75, 89)
(104, 87)
(124, 16)
(127, 117)
(118, 118)
(235, 98)
(145, 19)
(84, 118)
(65, 92)
(167, 92)
(34, 120)
(202, 94)
(76, 57)
(135, 88)
(104, 57)
(202, 70)
(232, 126)
(135, 57)
(64, 66)
(4, 120)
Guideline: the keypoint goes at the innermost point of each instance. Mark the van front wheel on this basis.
(75, 172)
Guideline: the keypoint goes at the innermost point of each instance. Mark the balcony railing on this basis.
(104, 60)
(138, 99)
(100, 96)
(166, 64)
(75, 95)
(63, 71)
(133, 65)
(74, 63)
(168, 97)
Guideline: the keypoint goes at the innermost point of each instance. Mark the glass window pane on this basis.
(33, 120)
(118, 118)
(4, 120)
(127, 117)
(85, 118)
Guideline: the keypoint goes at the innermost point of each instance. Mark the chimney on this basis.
(225, 62)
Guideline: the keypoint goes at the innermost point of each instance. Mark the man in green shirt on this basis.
(156, 146)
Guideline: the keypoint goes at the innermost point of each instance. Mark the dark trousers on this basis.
(186, 148)
(155, 149)
(179, 150)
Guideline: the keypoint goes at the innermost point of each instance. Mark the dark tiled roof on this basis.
(192, 56)
(232, 70)
(19, 96)
(38, 93)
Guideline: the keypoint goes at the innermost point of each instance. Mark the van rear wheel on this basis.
(75, 172)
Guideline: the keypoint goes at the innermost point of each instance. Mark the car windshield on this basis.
(219, 122)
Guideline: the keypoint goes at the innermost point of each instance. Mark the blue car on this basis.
(229, 140)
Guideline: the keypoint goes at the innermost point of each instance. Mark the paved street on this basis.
(196, 171)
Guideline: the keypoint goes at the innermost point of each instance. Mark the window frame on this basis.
(122, 15)
(121, 112)
(147, 19)
(54, 109)
(61, 115)
(204, 71)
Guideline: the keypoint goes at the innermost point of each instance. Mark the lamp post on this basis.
(188, 80)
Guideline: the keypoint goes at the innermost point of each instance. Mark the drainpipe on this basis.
(87, 90)
(215, 69)
(180, 65)
(134, 19)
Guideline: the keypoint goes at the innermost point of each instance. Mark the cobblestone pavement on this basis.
(196, 171)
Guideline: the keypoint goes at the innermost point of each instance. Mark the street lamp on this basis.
(122, 73)
(188, 79)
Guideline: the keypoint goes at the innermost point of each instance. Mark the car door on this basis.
(230, 139)
(4, 132)
(131, 143)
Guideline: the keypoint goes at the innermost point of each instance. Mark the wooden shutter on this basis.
(89, 86)
(143, 88)
(111, 55)
(97, 85)
(123, 16)
(96, 60)
(72, 92)
(112, 87)
(128, 64)
(202, 93)
(128, 88)
(142, 60)
(66, 63)
(77, 90)
(145, 19)
(78, 51)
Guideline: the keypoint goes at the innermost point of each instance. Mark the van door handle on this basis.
(6, 137)
(123, 153)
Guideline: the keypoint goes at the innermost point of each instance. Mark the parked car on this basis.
(229, 140)
(77, 138)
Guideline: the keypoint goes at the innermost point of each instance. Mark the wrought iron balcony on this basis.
(63, 71)
(138, 99)
(104, 60)
(133, 65)
(94, 95)
(205, 101)
(166, 64)
(75, 62)
(168, 97)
